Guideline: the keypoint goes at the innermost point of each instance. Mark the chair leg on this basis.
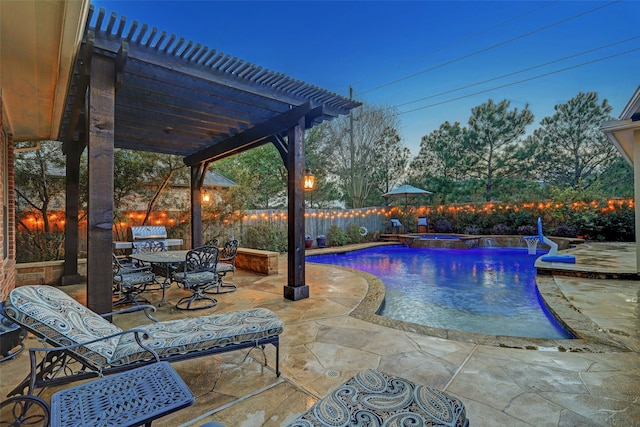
(135, 299)
(186, 303)
(217, 288)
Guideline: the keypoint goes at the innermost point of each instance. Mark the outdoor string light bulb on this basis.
(309, 180)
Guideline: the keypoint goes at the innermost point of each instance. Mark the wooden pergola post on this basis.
(296, 288)
(72, 192)
(100, 145)
(197, 179)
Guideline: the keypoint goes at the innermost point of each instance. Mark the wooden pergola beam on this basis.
(253, 137)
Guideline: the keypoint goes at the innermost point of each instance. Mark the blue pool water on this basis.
(485, 290)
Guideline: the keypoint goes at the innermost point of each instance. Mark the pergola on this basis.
(138, 88)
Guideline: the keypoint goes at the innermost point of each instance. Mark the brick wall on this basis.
(8, 264)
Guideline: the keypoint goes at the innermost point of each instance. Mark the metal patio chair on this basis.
(226, 265)
(129, 281)
(199, 272)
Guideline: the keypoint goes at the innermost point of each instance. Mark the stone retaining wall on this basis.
(264, 262)
(50, 272)
(45, 273)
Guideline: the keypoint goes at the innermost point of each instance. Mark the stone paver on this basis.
(334, 333)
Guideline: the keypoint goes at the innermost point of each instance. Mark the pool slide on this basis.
(552, 255)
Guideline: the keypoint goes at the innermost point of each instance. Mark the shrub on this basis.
(336, 236)
(564, 230)
(501, 229)
(268, 237)
(527, 230)
(472, 230)
(442, 226)
(353, 232)
(617, 226)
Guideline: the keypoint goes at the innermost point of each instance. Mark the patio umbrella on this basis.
(406, 191)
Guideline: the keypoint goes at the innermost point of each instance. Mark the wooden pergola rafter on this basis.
(140, 89)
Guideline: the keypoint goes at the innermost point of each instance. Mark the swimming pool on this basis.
(484, 290)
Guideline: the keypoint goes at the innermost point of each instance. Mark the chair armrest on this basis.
(50, 359)
(130, 310)
(132, 270)
(138, 333)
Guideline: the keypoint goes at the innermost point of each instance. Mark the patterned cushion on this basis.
(223, 267)
(200, 333)
(47, 311)
(197, 278)
(374, 398)
(136, 278)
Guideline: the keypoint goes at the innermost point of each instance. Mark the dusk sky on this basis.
(433, 61)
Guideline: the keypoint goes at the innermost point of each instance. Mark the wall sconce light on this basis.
(309, 180)
(206, 197)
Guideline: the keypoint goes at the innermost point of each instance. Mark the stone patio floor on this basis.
(592, 381)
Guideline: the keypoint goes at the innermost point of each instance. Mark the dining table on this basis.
(165, 260)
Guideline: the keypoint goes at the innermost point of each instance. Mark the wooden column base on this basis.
(73, 279)
(295, 293)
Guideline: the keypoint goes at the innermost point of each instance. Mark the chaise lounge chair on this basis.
(396, 225)
(423, 222)
(99, 347)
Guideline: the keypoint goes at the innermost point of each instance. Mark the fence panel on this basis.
(317, 221)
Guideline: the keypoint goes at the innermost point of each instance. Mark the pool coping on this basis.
(590, 338)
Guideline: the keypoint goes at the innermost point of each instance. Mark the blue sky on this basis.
(408, 54)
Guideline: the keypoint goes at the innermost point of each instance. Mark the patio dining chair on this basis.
(212, 242)
(199, 272)
(129, 281)
(226, 264)
(164, 270)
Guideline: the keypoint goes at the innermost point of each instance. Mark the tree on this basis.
(394, 158)
(163, 168)
(260, 174)
(616, 180)
(350, 146)
(39, 185)
(491, 144)
(438, 165)
(441, 153)
(129, 169)
(571, 149)
(326, 191)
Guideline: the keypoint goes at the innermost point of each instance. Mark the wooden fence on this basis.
(317, 221)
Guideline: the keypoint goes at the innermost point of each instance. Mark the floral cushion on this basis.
(49, 312)
(200, 333)
(374, 398)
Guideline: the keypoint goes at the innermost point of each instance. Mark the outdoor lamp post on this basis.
(309, 180)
